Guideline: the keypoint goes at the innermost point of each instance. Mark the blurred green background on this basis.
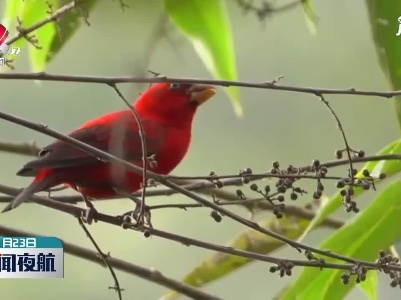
(289, 127)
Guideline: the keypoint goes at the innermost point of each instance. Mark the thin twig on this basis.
(269, 85)
(30, 149)
(141, 216)
(104, 258)
(266, 9)
(251, 255)
(291, 210)
(22, 32)
(259, 203)
(116, 220)
(344, 137)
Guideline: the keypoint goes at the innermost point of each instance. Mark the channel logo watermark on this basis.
(31, 257)
(3, 36)
(5, 47)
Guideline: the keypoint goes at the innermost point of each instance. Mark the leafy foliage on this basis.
(206, 25)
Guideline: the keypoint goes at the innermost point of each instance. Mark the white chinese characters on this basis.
(399, 27)
(15, 50)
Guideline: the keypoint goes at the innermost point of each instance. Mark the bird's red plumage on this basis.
(96, 180)
(166, 114)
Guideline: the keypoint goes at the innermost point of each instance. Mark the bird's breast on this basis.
(173, 151)
(99, 180)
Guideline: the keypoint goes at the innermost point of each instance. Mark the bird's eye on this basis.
(175, 86)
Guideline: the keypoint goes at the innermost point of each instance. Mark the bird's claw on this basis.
(142, 215)
(141, 219)
(89, 215)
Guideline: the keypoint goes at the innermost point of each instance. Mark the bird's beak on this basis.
(200, 93)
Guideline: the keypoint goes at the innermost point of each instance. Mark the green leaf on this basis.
(369, 286)
(383, 16)
(390, 168)
(33, 12)
(68, 25)
(13, 9)
(310, 16)
(206, 24)
(218, 265)
(51, 37)
(375, 228)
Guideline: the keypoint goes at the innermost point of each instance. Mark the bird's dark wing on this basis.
(121, 139)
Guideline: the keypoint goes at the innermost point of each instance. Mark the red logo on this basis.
(3, 34)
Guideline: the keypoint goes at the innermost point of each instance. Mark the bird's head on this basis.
(174, 101)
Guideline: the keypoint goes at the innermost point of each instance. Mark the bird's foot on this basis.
(141, 214)
(90, 213)
(126, 219)
(141, 217)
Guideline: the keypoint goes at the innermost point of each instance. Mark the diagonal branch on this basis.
(113, 220)
(51, 18)
(162, 179)
(105, 258)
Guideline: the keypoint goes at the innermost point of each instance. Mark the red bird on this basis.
(166, 111)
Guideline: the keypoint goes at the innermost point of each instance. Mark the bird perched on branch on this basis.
(166, 111)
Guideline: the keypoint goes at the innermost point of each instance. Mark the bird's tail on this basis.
(34, 187)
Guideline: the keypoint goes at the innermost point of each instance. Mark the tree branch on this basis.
(23, 32)
(29, 148)
(269, 85)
